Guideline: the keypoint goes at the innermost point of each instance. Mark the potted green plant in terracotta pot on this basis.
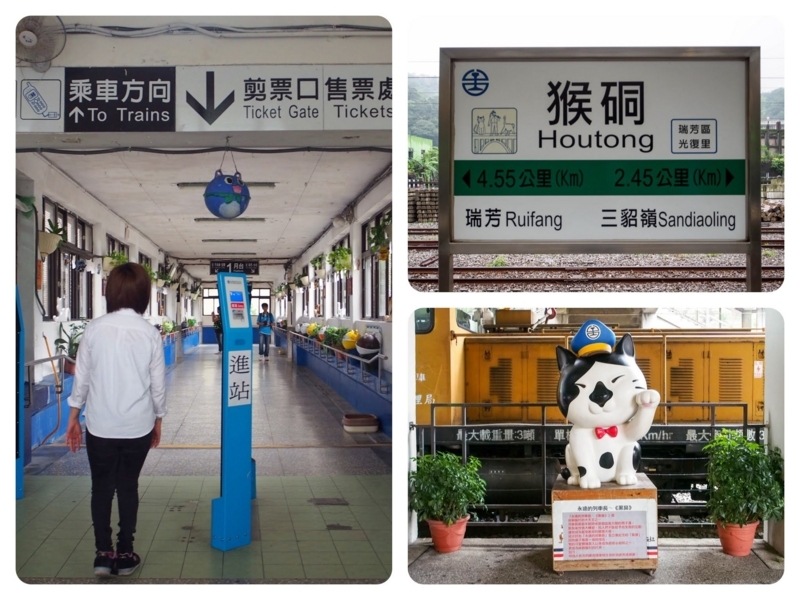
(442, 490)
(745, 486)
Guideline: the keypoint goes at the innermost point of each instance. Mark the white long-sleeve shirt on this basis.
(119, 376)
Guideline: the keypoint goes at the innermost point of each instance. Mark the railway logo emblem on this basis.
(475, 82)
(593, 332)
(494, 130)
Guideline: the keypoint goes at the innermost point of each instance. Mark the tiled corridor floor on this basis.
(323, 507)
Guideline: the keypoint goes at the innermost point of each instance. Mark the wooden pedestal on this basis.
(612, 527)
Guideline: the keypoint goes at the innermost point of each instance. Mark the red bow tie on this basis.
(601, 431)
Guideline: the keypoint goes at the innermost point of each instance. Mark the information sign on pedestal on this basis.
(230, 513)
(613, 527)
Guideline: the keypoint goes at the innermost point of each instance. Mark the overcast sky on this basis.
(431, 33)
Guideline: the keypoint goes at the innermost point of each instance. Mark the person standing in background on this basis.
(217, 319)
(265, 321)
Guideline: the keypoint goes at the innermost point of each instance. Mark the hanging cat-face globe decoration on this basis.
(226, 196)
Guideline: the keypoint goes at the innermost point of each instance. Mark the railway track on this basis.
(429, 274)
(434, 244)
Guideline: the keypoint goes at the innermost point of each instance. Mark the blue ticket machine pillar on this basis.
(230, 513)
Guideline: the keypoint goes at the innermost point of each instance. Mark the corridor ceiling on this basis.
(310, 188)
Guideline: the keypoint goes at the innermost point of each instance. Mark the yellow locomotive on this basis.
(501, 388)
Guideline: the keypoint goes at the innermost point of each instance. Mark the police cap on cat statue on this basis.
(604, 395)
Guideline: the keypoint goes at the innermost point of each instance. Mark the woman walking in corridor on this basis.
(119, 379)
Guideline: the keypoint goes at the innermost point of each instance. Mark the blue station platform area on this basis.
(322, 511)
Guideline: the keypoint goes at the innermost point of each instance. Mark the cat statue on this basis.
(604, 395)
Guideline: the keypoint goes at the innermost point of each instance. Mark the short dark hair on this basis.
(128, 286)
(263, 304)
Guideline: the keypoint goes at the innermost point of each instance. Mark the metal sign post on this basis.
(599, 150)
(230, 513)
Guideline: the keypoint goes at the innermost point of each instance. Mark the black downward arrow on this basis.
(209, 112)
(466, 179)
(728, 177)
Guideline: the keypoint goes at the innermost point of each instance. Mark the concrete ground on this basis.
(680, 561)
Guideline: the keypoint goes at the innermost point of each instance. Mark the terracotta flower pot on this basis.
(737, 540)
(69, 367)
(448, 538)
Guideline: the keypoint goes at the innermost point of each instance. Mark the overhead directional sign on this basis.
(583, 150)
(248, 267)
(205, 98)
(285, 98)
(119, 99)
(211, 111)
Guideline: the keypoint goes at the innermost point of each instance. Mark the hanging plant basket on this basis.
(108, 263)
(48, 242)
(304, 280)
(160, 282)
(383, 253)
(292, 286)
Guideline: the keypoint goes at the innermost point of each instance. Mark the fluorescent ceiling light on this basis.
(202, 184)
(230, 254)
(232, 240)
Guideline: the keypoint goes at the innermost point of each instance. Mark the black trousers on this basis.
(115, 466)
(218, 332)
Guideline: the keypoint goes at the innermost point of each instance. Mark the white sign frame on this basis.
(448, 244)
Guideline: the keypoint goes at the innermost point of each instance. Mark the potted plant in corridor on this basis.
(150, 273)
(441, 490)
(333, 338)
(68, 343)
(51, 239)
(162, 278)
(114, 259)
(339, 259)
(745, 485)
(379, 237)
(318, 262)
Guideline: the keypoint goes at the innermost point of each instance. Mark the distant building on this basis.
(417, 146)
(773, 134)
